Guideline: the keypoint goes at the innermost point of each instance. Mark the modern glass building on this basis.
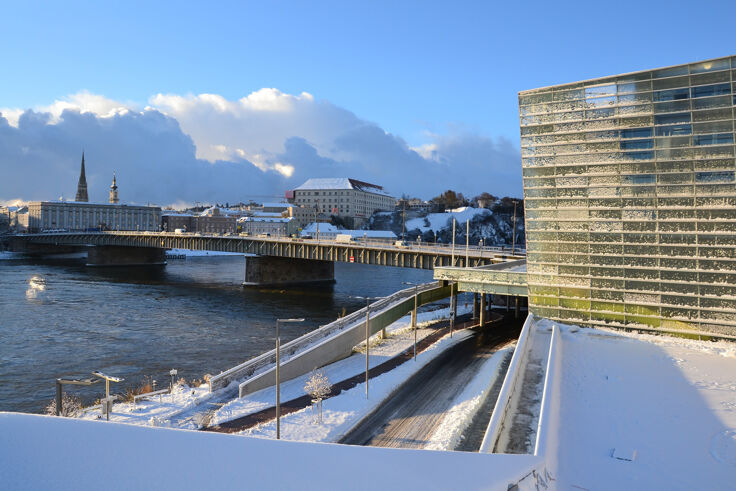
(630, 199)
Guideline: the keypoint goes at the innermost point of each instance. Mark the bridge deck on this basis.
(412, 255)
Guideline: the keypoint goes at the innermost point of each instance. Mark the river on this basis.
(59, 318)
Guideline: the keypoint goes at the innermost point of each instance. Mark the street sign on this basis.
(352, 259)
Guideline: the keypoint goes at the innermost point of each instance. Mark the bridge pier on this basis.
(125, 256)
(284, 271)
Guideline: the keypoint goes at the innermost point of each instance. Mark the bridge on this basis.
(272, 261)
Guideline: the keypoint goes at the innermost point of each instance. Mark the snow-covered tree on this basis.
(318, 387)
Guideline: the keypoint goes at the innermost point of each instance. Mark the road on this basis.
(410, 416)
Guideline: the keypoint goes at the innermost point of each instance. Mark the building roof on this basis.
(321, 183)
(277, 205)
(266, 219)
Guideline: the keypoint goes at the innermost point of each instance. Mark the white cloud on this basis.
(263, 143)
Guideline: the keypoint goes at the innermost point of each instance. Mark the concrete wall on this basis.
(125, 256)
(339, 345)
(282, 271)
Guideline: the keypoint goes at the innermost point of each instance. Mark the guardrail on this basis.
(150, 394)
(507, 390)
(264, 361)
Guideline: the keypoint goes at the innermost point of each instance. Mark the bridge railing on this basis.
(266, 360)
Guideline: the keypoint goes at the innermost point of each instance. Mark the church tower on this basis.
(82, 185)
(114, 191)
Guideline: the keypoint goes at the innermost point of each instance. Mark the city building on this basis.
(211, 221)
(349, 199)
(273, 226)
(630, 199)
(76, 216)
(330, 232)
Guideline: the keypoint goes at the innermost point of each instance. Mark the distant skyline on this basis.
(416, 96)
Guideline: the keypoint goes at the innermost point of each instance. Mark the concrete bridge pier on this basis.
(273, 271)
(125, 256)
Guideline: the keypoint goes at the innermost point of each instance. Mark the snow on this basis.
(311, 229)
(45, 452)
(668, 403)
(341, 410)
(438, 221)
(158, 411)
(463, 408)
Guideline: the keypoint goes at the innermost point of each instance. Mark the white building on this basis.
(273, 226)
(350, 199)
(71, 215)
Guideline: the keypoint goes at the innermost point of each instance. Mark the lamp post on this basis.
(453, 242)
(367, 336)
(414, 319)
(278, 380)
(467, 242)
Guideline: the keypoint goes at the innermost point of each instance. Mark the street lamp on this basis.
(414, 326)
(278, 380)
(367, 335)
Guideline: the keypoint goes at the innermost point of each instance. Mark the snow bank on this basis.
(44, 452)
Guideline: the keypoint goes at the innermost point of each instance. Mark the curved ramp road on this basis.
(410, 416)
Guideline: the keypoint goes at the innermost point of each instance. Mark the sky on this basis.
(224, 101)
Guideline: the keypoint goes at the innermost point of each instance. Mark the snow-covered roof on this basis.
(371, 234)
(320, 183)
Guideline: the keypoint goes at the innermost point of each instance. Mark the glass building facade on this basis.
(630, 199)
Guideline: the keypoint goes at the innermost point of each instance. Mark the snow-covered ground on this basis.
(667, 404)
(45, 452)
(156, 411)
(438, 221)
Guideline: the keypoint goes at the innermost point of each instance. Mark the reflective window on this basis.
(672, 118)
(719, 176)
(600, 90)
(677, 129)
(671, 95)
(640, 155)
(637, 144)
(717, 139)
(636, 133)
(711, 90)
(638, 179)
(670, 72)
(709, 66)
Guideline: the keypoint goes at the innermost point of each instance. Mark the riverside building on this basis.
(350, 199)
(630, 199)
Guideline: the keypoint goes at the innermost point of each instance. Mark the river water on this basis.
(62, 319)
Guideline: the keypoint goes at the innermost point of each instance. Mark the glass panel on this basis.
(672, 118)
(709, 66)
(721, 176)
(636, 133)
(711, 90)
(671, 107)
(670, 72)
(636, 144)
(717, 139)
(678, 129)
(672, 95)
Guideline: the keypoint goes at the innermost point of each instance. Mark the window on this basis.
(636, 144)
(639, 155)
(717, 139)
(718, 176)
(638, 179)
(677, 129)
(709, 66)
(711, 90)
(672, 118)
(671, 95)
(636, 133)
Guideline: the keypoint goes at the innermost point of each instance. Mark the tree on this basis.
(318, 387)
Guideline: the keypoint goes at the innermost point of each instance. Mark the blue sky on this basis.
(418, 70)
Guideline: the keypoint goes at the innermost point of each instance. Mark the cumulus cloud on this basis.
(205, 147)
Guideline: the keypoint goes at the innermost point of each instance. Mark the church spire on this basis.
(82, 185)
(114, 191)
